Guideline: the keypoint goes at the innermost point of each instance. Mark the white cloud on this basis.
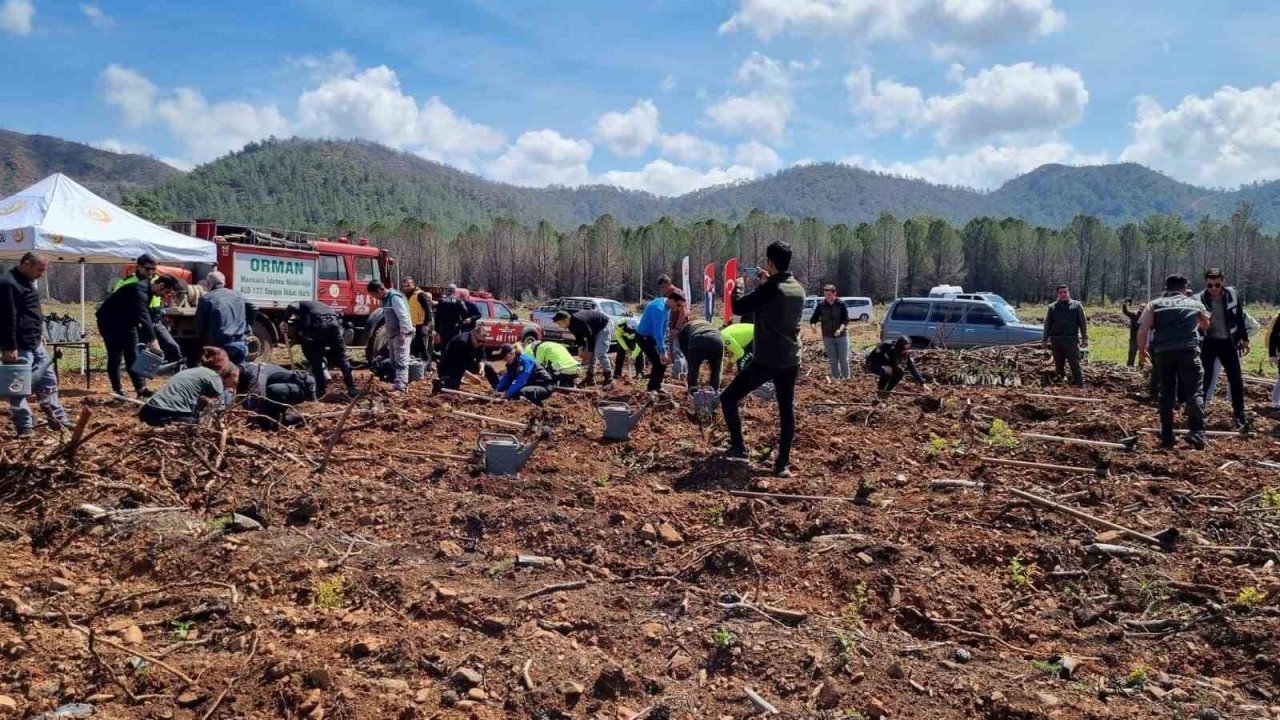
(96, 16)
(970, 22)
(371, 105)
(762, 112)
(692, 150)
(629, 133)
(1002, 102)
(757, 156)
(338, 63)
(543, 157)
(16, 15)
(205, 130)
(1226, 139)
(130, 91)
(123, 147)
(662, 177)
(668, 84)
(986, 167)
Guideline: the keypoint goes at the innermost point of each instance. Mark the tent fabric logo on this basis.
(56, 238)
(19, 236)
(97, 215)
(12, 207)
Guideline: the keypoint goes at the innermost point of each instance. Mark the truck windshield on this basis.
(332, 268)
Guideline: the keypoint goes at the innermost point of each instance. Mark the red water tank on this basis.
(206, 228)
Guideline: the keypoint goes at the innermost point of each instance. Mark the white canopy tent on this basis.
(61, 219)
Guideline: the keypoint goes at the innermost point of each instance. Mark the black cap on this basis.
(506, 349)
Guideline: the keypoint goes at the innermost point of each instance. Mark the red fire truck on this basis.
(273, 268)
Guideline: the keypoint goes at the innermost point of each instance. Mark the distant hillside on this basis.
(26, 159)
(315, 184)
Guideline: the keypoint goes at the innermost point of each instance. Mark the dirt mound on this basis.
(224, 572)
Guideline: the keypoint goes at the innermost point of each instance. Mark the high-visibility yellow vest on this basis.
(156, 300)
(556, 357)
(736, 338)
(626, 337)
(417, 313)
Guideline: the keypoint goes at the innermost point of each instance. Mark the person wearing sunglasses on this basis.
(1226, 339)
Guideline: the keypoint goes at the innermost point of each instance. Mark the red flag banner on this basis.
(730, 281)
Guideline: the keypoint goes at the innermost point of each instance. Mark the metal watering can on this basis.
(705, 401)
(619, 418)
(150, 365)
(15, 379)
(504, 454)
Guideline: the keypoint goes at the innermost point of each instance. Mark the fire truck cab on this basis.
(273, 268)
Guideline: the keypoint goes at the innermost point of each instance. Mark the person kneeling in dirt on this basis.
(628, 344)
(271, 392)
(885, 361)
(525, 378)
(319, 330)
(557, 359)
(701, 342)
(463, 355)
(191, 391)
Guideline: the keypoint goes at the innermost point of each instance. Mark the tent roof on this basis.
(63, 220)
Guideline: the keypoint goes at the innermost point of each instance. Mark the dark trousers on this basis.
(535, 394)
(657, 370)
(155, 417)
(1133, 346)
(566, 379)
(122, 348)
(1213, 350)
(170, 347)
(707, 349)
(1180, 370)
(1066, 351)
(323, 344)
(889, 378)
(753, 376)
(420, 346)
(620, 361)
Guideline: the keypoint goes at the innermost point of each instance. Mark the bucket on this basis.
(417, 370)
(15, 379)
(705, 401)
(147, 364)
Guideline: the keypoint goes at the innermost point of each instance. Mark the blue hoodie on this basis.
(654, 322)
(513, 381)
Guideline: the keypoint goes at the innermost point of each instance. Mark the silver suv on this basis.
(954, 323)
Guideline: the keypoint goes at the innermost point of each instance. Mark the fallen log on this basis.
(1100, 471)
(1112, 550)
(1081, 515)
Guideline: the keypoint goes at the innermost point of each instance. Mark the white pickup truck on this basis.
(551, 331)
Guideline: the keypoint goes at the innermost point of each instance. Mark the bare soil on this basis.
(391, 584)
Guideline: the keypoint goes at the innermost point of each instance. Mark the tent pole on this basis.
(84, 354)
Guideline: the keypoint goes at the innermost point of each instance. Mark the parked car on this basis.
(551, 331)
(954, 323)
(860, 309)
(810, 303)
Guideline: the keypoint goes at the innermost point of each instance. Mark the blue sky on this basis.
(666, 95)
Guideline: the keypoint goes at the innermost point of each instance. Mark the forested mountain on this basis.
(320, 184)
(26, 159)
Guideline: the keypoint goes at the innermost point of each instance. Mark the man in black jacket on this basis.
(593, 332)
(455, 315)
(777, 307)
(1226, 339)
(124, 319)
(461, 355)
(22, 339)
(1066, 330)
(319, 330)
(886, 361)
(700, 341)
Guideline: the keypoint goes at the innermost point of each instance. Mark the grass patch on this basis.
(329, 593)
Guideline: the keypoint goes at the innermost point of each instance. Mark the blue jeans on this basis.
(46, 392)
(237, 351)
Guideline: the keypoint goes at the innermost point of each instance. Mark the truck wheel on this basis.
(377, 345)
(865, 318)
(261, 342)
(528, 337)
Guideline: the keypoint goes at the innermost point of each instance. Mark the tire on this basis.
(865, 318)
(528, 337)
(377, 345)
(262, 342)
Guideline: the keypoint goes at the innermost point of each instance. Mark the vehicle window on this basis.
(946, 313)
(483, 307)
(332, 268)
(982, 315)
(501, 312)
(1007, 313)
(911, 312)
(615, 309)
(366, 270)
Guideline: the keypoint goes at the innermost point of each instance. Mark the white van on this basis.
(860, 309)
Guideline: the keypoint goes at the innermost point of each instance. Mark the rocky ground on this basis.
(366, 575)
